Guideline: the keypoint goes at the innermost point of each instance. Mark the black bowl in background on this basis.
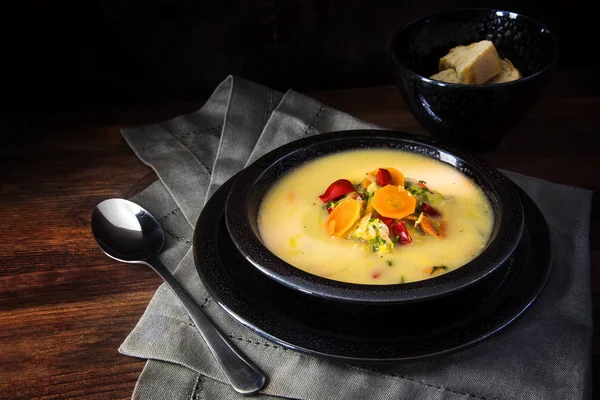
(246, 194)
(475, 117)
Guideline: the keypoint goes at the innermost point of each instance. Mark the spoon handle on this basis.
(243, 376)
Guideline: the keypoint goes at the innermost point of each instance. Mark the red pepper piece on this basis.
(422, 184)
(336, 190)
(400, 231)
(387, 221)
(376, 275)
(427, 209)
(384, 177)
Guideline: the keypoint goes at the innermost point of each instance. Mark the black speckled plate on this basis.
(367, 333)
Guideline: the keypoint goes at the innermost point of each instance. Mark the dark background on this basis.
(69, 56)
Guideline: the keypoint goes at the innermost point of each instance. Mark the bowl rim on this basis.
(247, 239)
(396, 61)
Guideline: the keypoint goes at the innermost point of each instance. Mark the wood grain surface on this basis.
(65, 307)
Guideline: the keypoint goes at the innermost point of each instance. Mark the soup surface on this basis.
(295, 223)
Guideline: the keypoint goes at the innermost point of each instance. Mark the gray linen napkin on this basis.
(545, 354)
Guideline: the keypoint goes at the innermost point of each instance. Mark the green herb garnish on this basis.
(438, 267)
(332, 204)
(424, 195)
(375, 243)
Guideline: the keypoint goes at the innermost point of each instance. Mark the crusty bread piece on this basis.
(476, 63)
(447, 75)
(509, 73)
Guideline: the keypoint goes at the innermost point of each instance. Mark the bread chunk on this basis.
(509, 73)
(447, 75)
(476, 63)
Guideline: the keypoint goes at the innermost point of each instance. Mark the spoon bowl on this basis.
(128, 233)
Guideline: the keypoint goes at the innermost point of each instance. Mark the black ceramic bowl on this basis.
(246, 194)
(475, 117)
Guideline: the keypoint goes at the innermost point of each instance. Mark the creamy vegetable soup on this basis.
(375, 217)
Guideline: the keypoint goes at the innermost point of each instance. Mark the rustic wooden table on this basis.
(65, 307)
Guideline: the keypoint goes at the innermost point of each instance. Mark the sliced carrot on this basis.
(397, 177)
(432, 227)
(393, 202)
(343, 217)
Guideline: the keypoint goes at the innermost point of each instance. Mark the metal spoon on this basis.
(128, 233)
